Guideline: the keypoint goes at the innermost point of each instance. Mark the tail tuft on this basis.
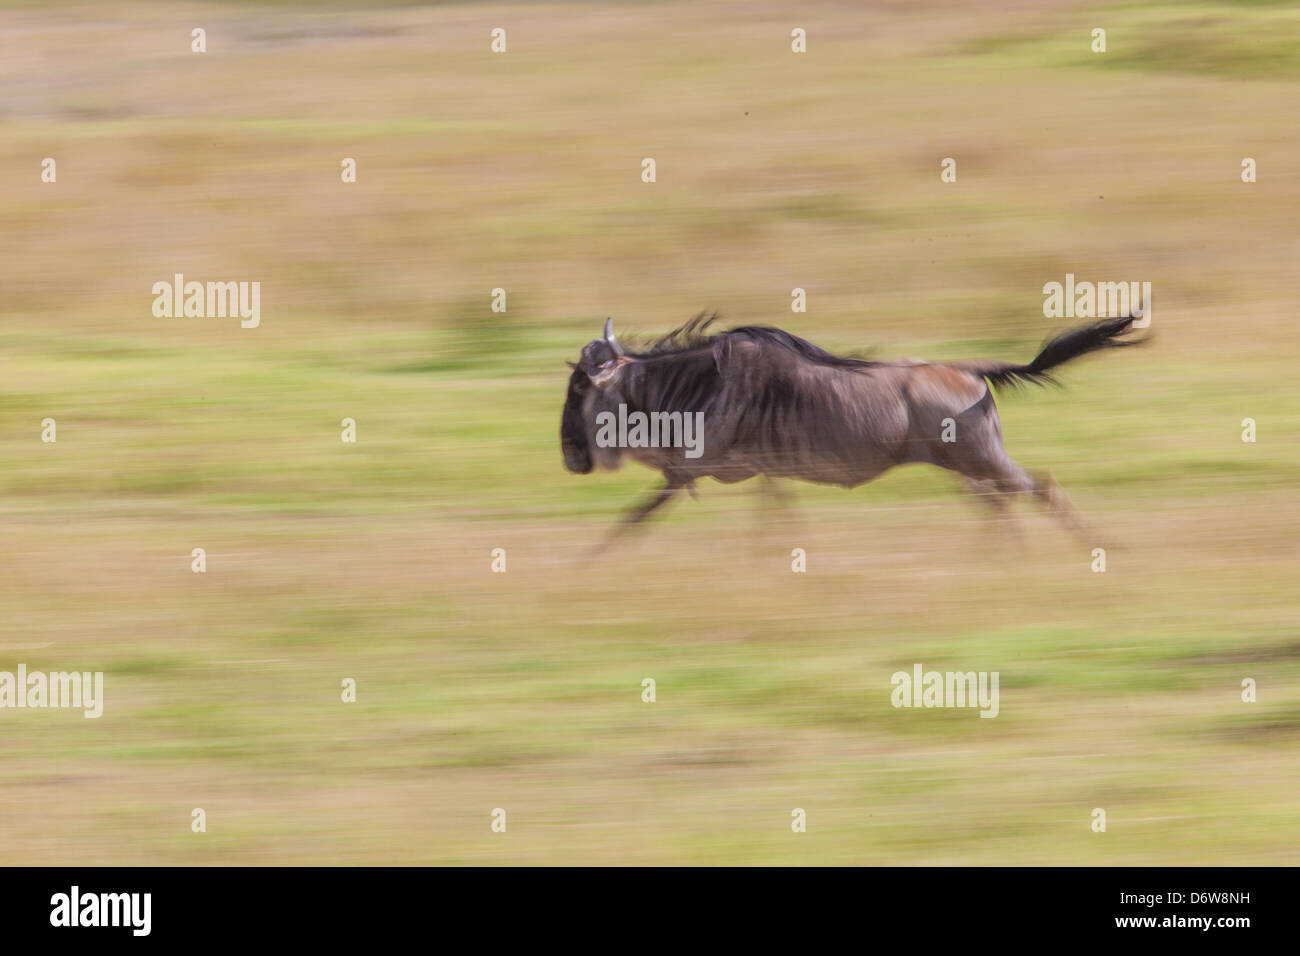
(1057, 351)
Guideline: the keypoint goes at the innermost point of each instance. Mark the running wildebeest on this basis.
(773, 404)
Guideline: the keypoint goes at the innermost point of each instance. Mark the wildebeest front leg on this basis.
(775, 508)
(639, 514)
(649, 506)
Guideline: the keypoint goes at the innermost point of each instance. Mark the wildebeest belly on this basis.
(835, 437)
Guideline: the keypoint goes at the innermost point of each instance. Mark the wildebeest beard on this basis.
(573, 430)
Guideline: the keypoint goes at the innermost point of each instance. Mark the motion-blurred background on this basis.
(522, 690)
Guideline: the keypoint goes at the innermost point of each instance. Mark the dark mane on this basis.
(693, 335)
(686, 337)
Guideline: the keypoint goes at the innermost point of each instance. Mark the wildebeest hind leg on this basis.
(1047, 491)
(1010, 478)
(998, 502)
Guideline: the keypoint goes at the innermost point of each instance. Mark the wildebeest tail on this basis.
(1057, 351)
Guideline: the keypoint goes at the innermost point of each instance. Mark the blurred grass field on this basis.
(523, 690)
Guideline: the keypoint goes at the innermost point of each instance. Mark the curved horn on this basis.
(609, 337)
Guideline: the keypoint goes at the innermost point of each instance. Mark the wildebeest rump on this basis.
(776, 405)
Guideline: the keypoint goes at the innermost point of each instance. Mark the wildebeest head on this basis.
(596, 368)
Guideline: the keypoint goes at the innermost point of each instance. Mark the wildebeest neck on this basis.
(685, 382)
